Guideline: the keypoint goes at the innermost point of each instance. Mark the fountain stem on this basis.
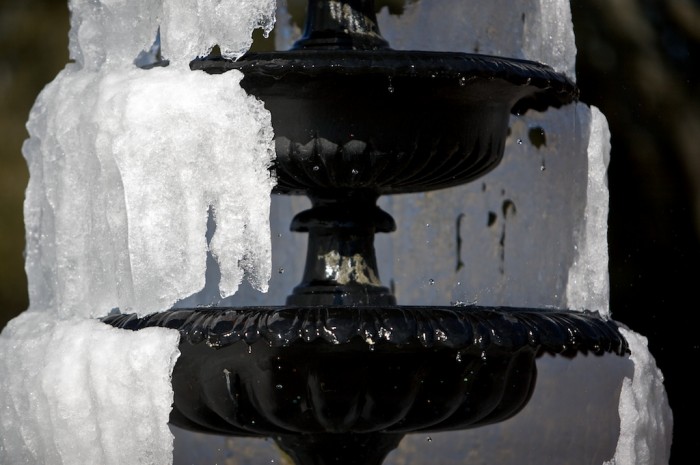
(341, 24)
(341, 266)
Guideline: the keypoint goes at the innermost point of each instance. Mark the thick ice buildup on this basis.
(79, 392)
(126, 167)
(588, 284)
(126, 164)
(208, 147)
(645, 418)
(111, 32)
(190, 28)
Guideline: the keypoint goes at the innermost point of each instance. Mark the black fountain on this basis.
(341, 372)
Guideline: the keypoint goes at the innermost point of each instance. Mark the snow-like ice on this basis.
(78, 391)
(128, 166)
(645, 417)
(127, 163)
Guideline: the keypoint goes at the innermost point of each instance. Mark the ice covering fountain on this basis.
(341, 372)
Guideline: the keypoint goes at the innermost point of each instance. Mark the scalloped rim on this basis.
(463, 328)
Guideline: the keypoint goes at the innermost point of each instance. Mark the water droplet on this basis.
(390, 89)
(354, 171)
(537, 137)
(431, 281)
(462, 81)
(280, 271)
(316, 168)
(520, 142)
(279, 234)
(427, 225)
(279, 386)
(429, 439)
(542, 167)
(459, 357)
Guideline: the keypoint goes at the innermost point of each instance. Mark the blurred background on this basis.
(638, 61)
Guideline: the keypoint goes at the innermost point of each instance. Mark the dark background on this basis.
(638, 61)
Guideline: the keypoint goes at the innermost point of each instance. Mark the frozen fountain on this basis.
(341, 373)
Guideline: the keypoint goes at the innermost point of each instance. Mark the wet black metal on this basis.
(346, 25)
(363, 374)
(341, 267)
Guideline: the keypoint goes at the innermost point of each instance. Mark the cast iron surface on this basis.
(267, 371)
(390, 121)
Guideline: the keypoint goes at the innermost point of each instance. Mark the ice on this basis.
(588, 284)
(128, 167)
(209, 147)
(80, 392)
(643, 408)
(111, 33)
(191, 28)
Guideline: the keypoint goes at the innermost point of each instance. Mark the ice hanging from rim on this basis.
(127, 164)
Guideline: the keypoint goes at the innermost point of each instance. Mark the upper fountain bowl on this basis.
(390, 121)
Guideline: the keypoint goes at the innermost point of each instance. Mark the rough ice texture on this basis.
(113, 32)
(190, 28)
(125, 167)
(138, 180)
(588, 283)
(645, 418)
(79, 392)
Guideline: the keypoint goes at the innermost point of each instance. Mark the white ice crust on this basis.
(138, 179)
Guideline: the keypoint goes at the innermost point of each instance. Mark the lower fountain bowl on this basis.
(284, 371)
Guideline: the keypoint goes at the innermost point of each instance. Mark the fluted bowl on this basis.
(391, 370)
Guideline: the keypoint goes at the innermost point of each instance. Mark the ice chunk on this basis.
(588, 285)
(177, 157)
(646, 421)
(79, 392)
(190, 28)
(125, 165)
(120, 188)
(111, 32)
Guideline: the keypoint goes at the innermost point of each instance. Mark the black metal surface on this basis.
(348, 25)
(318, 377)
(390, 121)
